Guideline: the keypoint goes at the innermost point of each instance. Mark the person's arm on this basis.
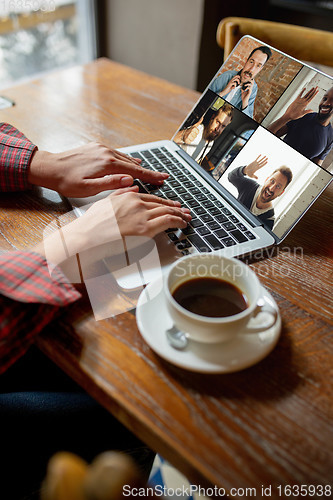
(188, 135)
(88, 170)
(224, 83)
(123, 213)
(242, 176)
(33, 287)
(280, 126)
(236, 177)
(251, 169)
(80, 172)
(297, 109)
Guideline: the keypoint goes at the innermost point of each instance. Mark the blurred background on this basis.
(171, 39)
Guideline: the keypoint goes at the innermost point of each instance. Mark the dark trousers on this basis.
(43, 411)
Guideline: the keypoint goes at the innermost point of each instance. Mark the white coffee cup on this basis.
(218, 329)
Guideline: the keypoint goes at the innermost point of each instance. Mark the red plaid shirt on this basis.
(15, 157)
(29, 297)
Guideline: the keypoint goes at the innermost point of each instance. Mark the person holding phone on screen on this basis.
(239, 87)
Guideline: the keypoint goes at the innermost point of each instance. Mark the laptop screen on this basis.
(263, 130)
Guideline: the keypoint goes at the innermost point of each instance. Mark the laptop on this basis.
(249, 160)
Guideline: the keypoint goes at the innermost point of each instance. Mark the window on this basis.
(43, 35)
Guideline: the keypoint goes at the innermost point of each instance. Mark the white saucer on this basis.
(241, 352)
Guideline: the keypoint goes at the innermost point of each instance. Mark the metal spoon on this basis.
(176, 338)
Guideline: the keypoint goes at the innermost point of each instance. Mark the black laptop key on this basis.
(200, 210)
(203, 231)
(174, 183)
(241, 227)
(142, 189)
(214, 211)
(193, 203)
(188, 230)
(172, 195)
(196, 223)
(234, 219)
(201, 197)
(238, 235)
(207, 204)
(152, 187)
(162, 157)
(136, 155)
(206, 218)
(221, 218)
(183, 244)
(147, 154)
(250, 235)
(214, 242)
(166, 189)
(228, 242)
(159, 193)
(188, 184)
(160, 168)
(173, 237)
(199, 243)
(213, 225)
(229, 226)
(221, 233)
(187, 197)
(226, 211)
(195, 190)
(177, 171)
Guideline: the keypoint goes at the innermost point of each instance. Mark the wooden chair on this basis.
(71, 478)
(306, 44)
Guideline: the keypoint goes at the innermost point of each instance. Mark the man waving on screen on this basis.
(258, 198)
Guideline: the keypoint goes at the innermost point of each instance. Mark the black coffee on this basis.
(210, 297)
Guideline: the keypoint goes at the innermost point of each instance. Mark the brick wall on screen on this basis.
(272, 80)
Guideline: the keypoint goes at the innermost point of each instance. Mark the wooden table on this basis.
(268, 425)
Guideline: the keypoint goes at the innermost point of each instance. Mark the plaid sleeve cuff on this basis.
(29, 299)
(15, 156)
(25, 277)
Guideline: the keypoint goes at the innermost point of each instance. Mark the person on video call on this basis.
(308, 132)
(259, 198)
(198, 139)
(239, 87)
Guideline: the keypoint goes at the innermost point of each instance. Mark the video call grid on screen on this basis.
(288, 157)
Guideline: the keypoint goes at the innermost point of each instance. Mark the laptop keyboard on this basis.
(213, 226)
